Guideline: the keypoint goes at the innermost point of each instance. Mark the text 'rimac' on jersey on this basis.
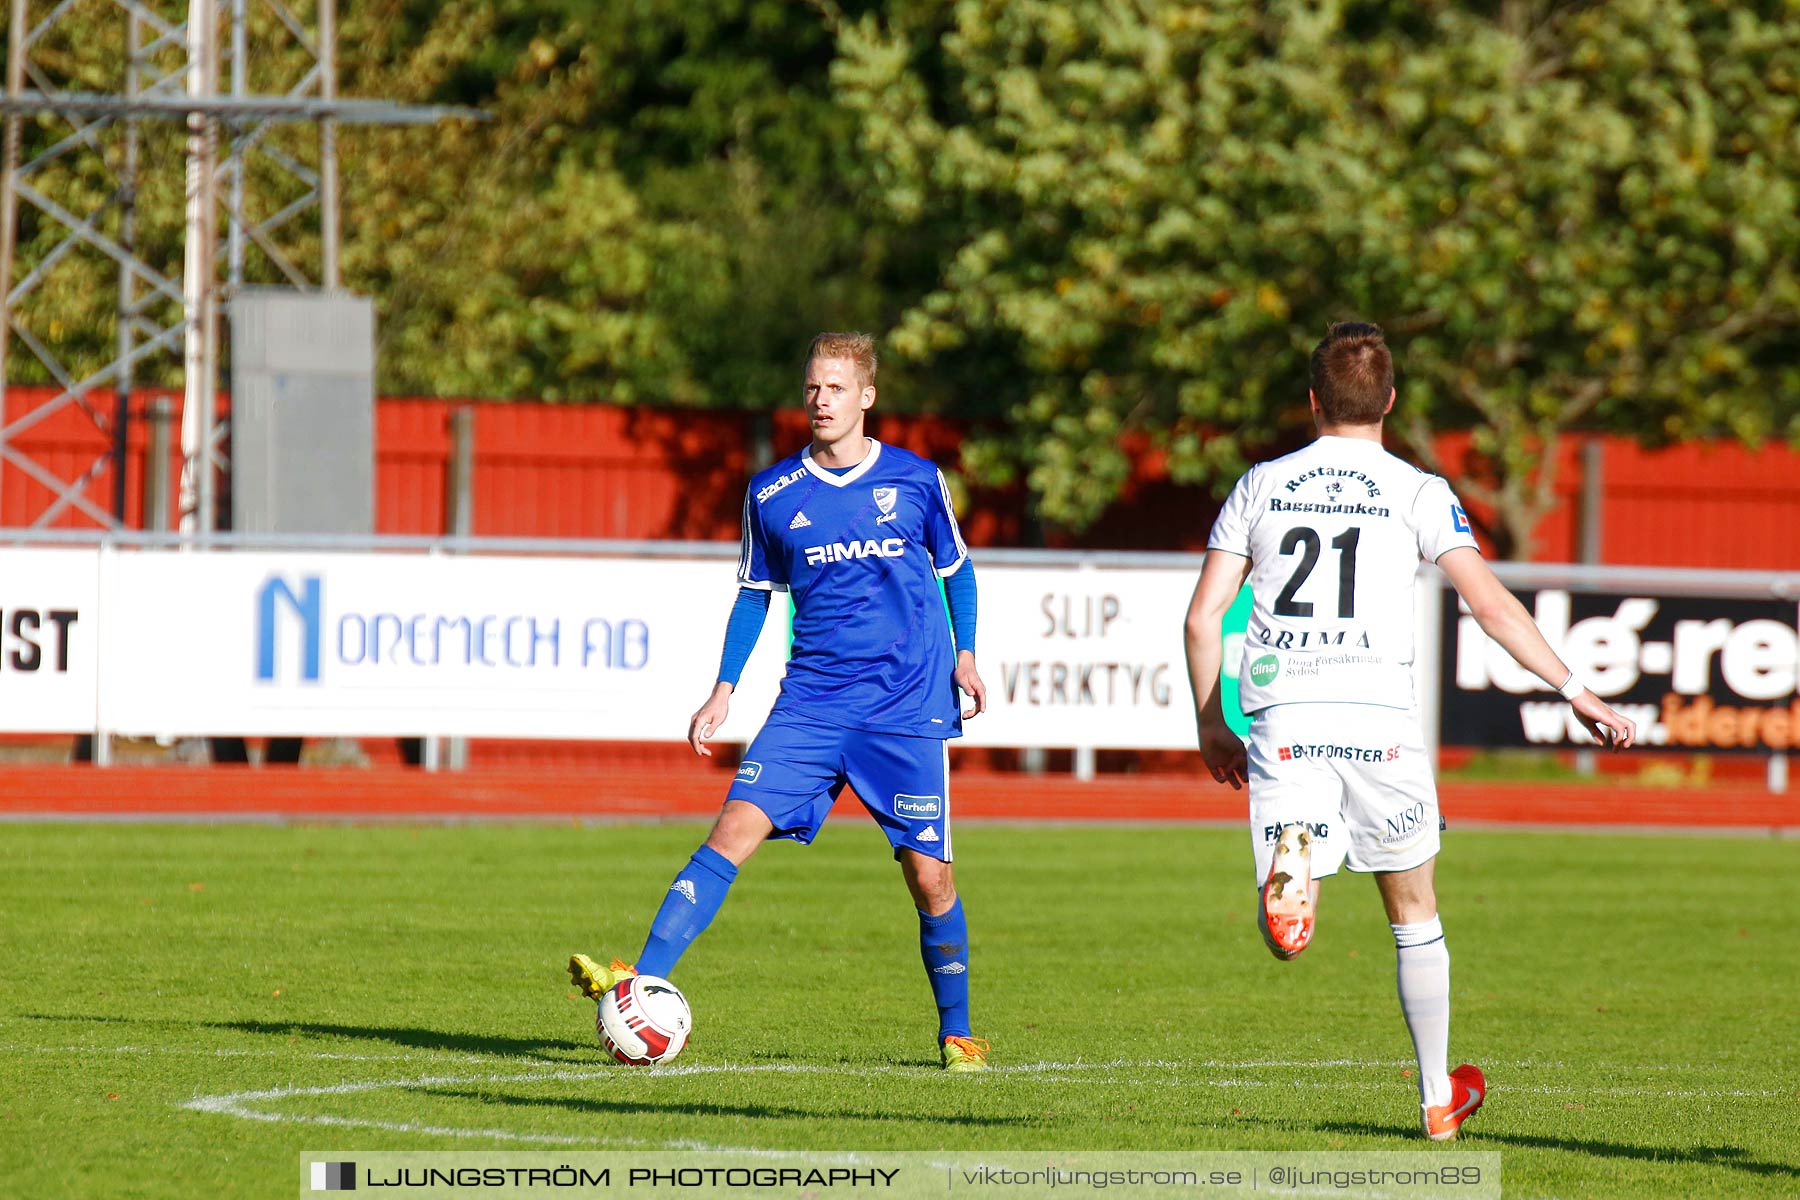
(1335, 534)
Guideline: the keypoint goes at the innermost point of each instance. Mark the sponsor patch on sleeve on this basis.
(1459, 520)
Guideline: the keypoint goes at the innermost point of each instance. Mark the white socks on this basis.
(1424, 981)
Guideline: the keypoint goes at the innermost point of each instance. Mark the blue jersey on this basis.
(861, 553)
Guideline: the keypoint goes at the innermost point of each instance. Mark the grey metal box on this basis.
(302, 412)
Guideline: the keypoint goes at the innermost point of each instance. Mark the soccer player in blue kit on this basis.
(859, 534)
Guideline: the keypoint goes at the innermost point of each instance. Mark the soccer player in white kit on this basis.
(1331, 538)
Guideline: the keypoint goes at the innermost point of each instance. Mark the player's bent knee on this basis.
(931, 882)
(740, 829)
(1409, 896)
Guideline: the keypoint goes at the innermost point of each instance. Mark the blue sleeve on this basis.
(959, 593)
(741, 632)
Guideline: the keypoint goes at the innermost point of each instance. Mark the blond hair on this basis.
(859, 348)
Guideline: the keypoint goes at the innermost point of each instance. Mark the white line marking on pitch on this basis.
(252, 1105)
(238, 1104)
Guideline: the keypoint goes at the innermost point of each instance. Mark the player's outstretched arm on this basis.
(1504, 619)
(1220, 578)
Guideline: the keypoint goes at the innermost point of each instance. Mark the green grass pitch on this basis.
(184, 1009)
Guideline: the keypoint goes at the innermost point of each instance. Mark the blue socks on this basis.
(699, 889)
(944, 945)
(687, 910)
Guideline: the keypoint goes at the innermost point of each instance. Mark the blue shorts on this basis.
(796, 768)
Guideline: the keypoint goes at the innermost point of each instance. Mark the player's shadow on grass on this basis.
(697, 1108)
(420, 1039)
(1734, 1157)
(544, 1049)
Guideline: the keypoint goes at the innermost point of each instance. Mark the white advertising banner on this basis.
(1084, 657)
(393, 644)
(146, 643)
(49, 626)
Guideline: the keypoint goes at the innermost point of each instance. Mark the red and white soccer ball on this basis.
(644, 1020)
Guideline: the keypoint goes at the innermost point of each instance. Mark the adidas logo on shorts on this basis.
(799, 521)
(686, 888)
(927, 834)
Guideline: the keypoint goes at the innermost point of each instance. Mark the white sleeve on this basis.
(757, 568)
(1231, 529)
(1439, 520)
(943, 537)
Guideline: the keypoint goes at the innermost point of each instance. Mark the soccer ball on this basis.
(644, 1020)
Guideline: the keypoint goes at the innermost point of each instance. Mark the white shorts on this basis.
(1357, 775)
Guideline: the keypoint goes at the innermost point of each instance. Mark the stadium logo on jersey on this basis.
(927, 834)
(686, 888)
(1459, 520)
(818, 556)
(769, 489)
(799, 521)
(1264, 670)
(885, 499)
(748, 771)
(918, 808)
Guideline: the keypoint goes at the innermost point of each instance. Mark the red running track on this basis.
(301, 794)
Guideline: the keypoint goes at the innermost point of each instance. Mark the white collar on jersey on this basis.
(848, 477)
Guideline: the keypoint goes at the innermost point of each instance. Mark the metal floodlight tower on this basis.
(169, 72)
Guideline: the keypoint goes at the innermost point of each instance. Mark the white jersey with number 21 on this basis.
(1335, 534)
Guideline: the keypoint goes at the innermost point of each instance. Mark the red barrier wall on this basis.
(605, 472)
(597, 471)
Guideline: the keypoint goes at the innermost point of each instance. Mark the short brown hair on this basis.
(1353, 374)
(859, 348)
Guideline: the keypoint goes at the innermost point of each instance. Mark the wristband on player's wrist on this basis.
(1572, 687)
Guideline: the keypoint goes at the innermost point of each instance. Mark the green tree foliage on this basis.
(1095, 224)
(659, 211)
(1567, 215)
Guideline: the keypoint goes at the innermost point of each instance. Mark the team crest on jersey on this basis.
(885, 499)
